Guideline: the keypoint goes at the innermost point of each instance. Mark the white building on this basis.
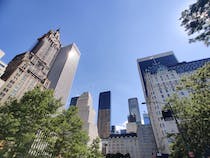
(2, 67)
(88, 115)
(160, 74)
(63, 71)
(131, 127)
(123, 143)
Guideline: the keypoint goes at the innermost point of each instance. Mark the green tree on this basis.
(196, 20)
(69, 139)
(20, 121)
(94, 151)
(194, 114)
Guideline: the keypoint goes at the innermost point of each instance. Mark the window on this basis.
(182, 93)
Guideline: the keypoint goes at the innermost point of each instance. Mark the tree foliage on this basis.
(194, 115)
(94, 149)
(31, 127)
(20, 120)
(196, 21)
(70, 140)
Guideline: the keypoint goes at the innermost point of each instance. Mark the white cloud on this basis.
(121, 126)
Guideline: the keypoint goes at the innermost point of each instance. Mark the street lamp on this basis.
(190, 153)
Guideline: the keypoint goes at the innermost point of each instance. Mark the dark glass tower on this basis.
(104, 114)
(74, 101)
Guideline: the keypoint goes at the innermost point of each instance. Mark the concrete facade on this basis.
(63, 70)
(131, 127)
(2, 64)
(124, 143)
(32, 68)
(147, 145)
(160, 74)
(2, 67)
(88, 115)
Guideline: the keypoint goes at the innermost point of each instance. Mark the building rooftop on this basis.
(123, 135)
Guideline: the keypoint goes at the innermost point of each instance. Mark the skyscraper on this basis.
(87, 114)
(104, 114)
(2, 67)
(62, 72)
(73, 101)
(39, 66)
(146, 119)
(134, 108)
(159, 76)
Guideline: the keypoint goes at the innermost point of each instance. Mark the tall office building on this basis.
(47, 65)
(159, 76)
(73, 101)
(146, 119)
(134, 108)
(104, 114)
(63, 70)
(86, 112)
(2, 67)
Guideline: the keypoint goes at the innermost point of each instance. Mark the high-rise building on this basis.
(2, 67)
(134, 108)
(63, 70)
(47, 65)
(113, 129)
(73, 101)
(104, 114)
(146, 119)
(87, 114)
(159, 76)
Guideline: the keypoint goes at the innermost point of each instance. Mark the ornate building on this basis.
(31, 68)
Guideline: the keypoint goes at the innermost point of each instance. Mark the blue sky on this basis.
(111, 35)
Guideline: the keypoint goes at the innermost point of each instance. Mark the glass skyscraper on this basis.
(104, 114)
(134, 108)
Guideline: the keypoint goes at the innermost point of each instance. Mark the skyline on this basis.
(117, 36)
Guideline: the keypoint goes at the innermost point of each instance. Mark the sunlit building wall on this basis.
(87, 114)
(160, 74)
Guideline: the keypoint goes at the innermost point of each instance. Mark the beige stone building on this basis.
(88, 115)
(32, 68)
(123, 143)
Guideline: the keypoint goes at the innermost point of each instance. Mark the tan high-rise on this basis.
(87, 115)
